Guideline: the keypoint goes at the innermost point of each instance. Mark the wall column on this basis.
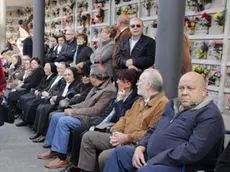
(2, 24)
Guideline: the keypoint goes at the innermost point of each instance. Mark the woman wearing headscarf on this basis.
(31, 100)
(67, 89)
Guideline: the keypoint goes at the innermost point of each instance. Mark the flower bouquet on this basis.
(219, 18)
(148, 5)
(206, 3)
(192, 4)
(218, 48)
(206, 21)
(202, 52)
(202, 70)
(190, 25)
(214, 78)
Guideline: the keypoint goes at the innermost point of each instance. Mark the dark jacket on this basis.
(67, 52)
(83, 55)
(82, 91)
(51, 55)
(120, 108)
(28, 47)
(143, 53)
(184, 137)
(223, 163)
(55, 89)
(70, 93)
(45, 82)
(34, 78)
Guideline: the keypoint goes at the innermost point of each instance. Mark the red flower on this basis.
(186, 19)
(206, 16)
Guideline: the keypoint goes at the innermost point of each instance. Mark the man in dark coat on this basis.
(188, 131)
(69, 48)
(137, 51)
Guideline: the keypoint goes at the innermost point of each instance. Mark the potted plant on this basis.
(205, 22)
(202, 52)
(218, 48)
(148, 5)
(214, 78)
(202, 70)
(207, 3)
(190, 25)
(219, 18)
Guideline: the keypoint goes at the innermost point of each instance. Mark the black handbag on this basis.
(6, 112)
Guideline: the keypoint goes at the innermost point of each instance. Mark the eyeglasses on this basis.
(137, 25)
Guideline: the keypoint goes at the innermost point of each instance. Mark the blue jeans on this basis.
(121, 161)
(59, 131)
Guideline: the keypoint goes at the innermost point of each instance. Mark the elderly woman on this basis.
(33, 99)
(103, 54)
(29, 82)
(67, 89)
(83, 52)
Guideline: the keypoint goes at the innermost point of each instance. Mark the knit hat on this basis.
(98, 70)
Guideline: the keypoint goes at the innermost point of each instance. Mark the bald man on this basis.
(187, 133)
(123, 32)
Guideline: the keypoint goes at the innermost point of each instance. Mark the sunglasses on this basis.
(137, 25)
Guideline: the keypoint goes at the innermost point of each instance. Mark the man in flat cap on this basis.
(61, 123)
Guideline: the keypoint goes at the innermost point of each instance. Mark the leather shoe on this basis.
(49, 154)
(34, 136)
(70, 168)
(21, 124)
(46, 146)
(40, 139)
(57, 163)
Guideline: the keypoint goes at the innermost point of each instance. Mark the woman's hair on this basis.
(84, 36)
(129, 75)
(53, 68)
(112, 30)
(62, 36)
(19, 60)
(36, 59)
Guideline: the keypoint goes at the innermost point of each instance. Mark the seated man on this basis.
(61, 123)
(189, 128)
(144, 113)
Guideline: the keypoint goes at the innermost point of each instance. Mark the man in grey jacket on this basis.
(62, 122)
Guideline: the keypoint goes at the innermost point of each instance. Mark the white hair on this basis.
(155, 79)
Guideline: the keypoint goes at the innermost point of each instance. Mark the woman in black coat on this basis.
(82, 55)
(29, 82)
(67, 89)
(34, 97)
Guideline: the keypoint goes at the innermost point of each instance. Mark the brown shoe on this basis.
(57, 163)
(49, 154)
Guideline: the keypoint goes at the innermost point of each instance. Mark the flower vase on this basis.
(205, 56)
(191, 31)
(206, 29)
(217, 82)
(192, 8)
(147, 12)
(207, 6)
(222, 29)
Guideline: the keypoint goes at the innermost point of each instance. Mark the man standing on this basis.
(69, 48)
(189, 129)
(124, 32)
(137, 51)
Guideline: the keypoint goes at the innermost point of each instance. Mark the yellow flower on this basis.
(202, 75)
(205, 71)
(193, 24)
(186, 24)
(219, 14)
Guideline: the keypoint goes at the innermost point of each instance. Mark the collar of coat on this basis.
(153, 99)
(104, 84)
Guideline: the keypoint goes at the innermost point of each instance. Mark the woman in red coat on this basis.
(2, 90)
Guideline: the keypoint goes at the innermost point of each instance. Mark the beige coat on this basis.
(95, 103)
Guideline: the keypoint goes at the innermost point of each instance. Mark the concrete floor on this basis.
(18, 153)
